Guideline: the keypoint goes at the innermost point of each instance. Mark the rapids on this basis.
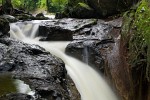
(90, 84)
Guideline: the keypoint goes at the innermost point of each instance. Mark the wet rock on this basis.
(17, 96)
(28, 17)
(86, 51)
(24, 16)
(89, 43)
(63, 29)
(4, 27)
(10, 18)
(43, 72)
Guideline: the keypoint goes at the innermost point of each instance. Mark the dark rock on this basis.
(89, 42)
(16, 96)
(4, 27)
(1, 10)
(110, 7)
(63, 29)
(24, 17)
(43, 72)
(77, 12)
(18, 11)
(86, 51)
(100, 8)
(40, 15)
(10, 18)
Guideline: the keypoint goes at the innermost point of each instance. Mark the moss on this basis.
(142, 25)
(136, 37)
(136, 33)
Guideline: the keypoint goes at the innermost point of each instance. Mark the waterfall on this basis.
(89, 83)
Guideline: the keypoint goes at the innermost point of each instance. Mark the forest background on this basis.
(37, 6)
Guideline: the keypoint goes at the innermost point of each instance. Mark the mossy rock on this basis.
(136, 37)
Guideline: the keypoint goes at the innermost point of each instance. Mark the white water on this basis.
(89, 83)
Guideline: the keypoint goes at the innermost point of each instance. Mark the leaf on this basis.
(85, 6)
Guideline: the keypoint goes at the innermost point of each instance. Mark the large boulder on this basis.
(88, 42)
(63, 29)
(43, 72)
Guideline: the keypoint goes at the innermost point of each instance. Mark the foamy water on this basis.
(89, 83)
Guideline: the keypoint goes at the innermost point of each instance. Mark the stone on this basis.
(10, 18)
(24, 16)
(88, 42)
(16, 96)
(63, 29)
(42, 71)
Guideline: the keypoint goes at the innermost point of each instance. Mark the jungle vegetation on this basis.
(52, 6)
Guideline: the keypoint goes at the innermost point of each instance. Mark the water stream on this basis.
(89, 83)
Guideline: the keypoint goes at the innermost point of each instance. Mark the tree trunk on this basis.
(48, 4)
(7, 7)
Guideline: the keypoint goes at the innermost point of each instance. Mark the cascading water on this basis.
(88, 82)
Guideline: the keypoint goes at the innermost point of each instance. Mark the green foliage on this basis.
(57, 5)
(17, 3)
(32, 5)
(84, 5)
(0, 2)
(138, 29)
(142, 22)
